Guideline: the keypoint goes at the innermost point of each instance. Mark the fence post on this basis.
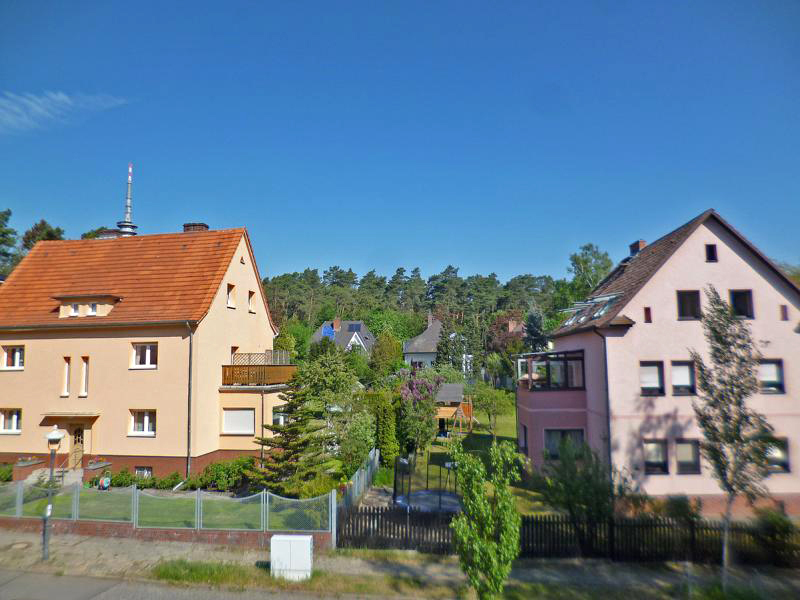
(20, 497)
(266, 511)
(333, 518)
(263, 510)
(198, 509)
(135, 506)
(611, 539)
(76, 501)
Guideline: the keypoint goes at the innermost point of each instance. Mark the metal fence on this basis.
(361, 480)
(263, 511)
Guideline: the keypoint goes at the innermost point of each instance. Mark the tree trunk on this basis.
(726, 528)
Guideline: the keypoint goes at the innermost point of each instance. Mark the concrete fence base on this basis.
(106, 529)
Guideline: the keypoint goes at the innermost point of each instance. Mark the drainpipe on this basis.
(189, 406)
(608, 410)
(261, 431)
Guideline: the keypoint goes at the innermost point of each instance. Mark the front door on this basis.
(76, 452)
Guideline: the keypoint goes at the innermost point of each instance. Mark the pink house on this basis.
(619, 375)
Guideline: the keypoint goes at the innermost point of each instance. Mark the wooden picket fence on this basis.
(554, 536)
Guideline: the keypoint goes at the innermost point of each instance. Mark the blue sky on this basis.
(497, 137)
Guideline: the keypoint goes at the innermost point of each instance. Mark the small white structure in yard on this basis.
(291, 556)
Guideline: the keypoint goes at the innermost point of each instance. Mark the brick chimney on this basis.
(337, 324)
(194, 227)
(637, 246)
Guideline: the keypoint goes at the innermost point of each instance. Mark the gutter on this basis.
(94, 325)
(189, 405)
(608, 410)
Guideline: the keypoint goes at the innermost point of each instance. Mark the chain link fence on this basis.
(146, 509)
(361, 480)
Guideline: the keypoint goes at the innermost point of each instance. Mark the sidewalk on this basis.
(18, 585)
(124, 558)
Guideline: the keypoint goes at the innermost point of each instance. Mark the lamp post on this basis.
(53, 442)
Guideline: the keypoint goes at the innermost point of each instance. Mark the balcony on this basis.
(258, 369)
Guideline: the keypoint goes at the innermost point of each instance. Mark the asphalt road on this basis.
(19, 585)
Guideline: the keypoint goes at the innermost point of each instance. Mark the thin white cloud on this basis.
(22, 112)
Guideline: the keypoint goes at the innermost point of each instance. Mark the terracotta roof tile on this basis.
(163, 277)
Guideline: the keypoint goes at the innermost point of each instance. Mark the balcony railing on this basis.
(257, 374)
(268, 357)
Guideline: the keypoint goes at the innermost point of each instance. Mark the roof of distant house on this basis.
(151, 278)
(346, 331)
(425, 342)
(450, 393)
(608, 299)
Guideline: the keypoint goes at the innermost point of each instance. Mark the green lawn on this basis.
(478, 441)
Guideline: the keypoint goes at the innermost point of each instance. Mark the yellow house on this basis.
(129, 343)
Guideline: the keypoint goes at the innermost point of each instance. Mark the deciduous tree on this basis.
(736, 438)
(486, 532)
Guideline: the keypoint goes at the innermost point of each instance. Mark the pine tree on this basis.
(296, 448)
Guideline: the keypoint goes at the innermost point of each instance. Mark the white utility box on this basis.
(291, 556)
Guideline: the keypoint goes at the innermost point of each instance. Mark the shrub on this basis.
(168, 482)
(6, 471)
(774, 532)
(123, 478)
(680, 508)
(227, 475)
(357, 442)
(385, 426)
(384, 477)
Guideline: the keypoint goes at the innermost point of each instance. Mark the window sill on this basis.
(142, 367)
(689, 318)
(83, 395)
(10, 431)
(772, 392)
(252, 312)
(238, 434)
(12, 369)
(692, 472)
(652, 394)
(144, 434)
(689, 393)
(63, 395)
(229, 306)
(648, 473)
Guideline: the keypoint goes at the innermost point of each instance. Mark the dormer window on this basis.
(86, 305)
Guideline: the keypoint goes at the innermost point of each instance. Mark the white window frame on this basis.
(252, 430)
(67, 369)
(147, 471)
(84, 377)
(230, 299)
(92, 309)
(146, 423)
(16, 417)
(74, 310)
(250, 295)
(149, 364)
(18, 358)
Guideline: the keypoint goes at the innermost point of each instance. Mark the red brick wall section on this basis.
(20, 473)
(248, 539)
(163, 465)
